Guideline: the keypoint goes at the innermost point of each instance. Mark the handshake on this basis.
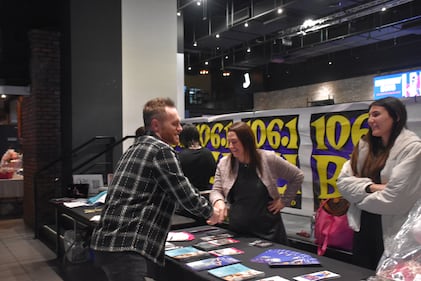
(219, 214)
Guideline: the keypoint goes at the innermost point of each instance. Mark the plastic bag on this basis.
(75, 249)
(404, 260)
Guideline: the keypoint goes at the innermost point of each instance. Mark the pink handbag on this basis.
(332, 230)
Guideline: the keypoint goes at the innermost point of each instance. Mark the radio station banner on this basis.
(319, 140)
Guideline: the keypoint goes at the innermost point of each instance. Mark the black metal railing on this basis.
(110, 145)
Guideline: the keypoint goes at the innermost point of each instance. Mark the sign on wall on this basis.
(316, 139)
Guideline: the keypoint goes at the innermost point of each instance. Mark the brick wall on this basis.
(342, 91)
(40, 134)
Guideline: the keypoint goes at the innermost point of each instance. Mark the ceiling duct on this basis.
(241, 15)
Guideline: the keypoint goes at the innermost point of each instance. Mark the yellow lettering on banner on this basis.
(258, 125)
(293, 134)
(274, 136)
(345, 126)
(213, 134)
(204, 133)
(272, 133)
(357, 130)
(216, 155)
(319, 132)
(291, 158)
(215, 137)
(329, 127)
(322, 163)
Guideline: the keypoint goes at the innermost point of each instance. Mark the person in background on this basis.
(140, 131)
(246, 181)
(414, 88)
(197, 162)
(147, 187)
(381, 177)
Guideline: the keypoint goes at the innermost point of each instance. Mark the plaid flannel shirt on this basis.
(147, 187)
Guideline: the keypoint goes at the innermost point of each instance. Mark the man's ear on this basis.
(155, 125)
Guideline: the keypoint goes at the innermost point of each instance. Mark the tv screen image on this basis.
(399, 85)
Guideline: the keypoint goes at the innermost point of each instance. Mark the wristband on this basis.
(367, 189)
(216, 201)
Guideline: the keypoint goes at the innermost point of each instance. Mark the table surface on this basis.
(176, 268)
(82, 215)
(85, 213)
(11, 188)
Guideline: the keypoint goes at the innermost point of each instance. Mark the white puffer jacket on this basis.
(402, 176)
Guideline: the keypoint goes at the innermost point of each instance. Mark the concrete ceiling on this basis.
(282, 38)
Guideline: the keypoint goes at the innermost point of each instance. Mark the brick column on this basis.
(41, 124)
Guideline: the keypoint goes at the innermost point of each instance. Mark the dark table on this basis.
(176, 270)
(80, 218)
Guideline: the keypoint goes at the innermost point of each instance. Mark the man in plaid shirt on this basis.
(147, 187)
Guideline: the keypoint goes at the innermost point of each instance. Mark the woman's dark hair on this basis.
(189, 135)
(378, 152)
(140, 131)
(246, 136)
(397, 111)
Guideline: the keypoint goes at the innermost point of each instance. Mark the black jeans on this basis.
(128, 266)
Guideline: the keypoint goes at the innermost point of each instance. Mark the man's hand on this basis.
(220, 212)
(213, 219)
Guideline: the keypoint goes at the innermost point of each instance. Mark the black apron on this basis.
(248, 214)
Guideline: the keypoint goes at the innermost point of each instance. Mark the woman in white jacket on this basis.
(382, 177)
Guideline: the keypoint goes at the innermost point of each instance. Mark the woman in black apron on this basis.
(248, 212)
(246, 181)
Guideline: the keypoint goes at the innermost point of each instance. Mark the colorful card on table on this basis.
(211, 263)
(315, 276)
(186, 253)
(216, 236)
(170, 246)
(230, 251)
(284, 257)
(179, 236)
(273, 278)
(214, 244)
(236, 272)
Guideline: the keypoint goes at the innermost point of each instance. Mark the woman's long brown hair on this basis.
(378, 153)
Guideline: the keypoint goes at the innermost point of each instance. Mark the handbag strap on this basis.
(324, 202)
(321, 249)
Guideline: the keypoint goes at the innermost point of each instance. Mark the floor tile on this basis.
(28, 249)
(13, 272)
(40, 271)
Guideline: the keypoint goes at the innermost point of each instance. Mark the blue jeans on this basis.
(128, 266)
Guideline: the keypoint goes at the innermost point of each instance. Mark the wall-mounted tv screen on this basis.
(399, 85)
